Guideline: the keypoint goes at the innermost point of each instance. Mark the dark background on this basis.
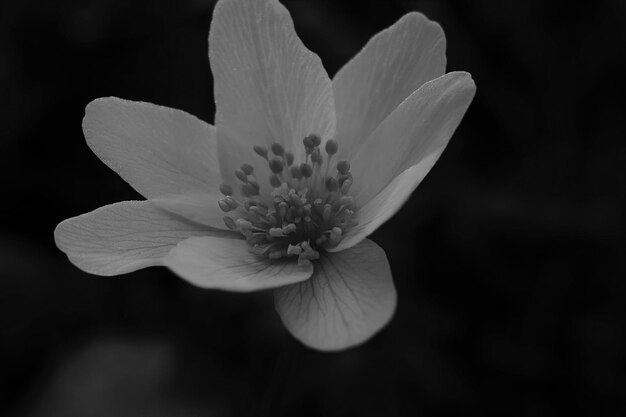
(508, 259)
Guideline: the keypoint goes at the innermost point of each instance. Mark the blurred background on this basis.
(508, 259)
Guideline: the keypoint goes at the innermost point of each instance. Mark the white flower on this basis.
(265, 198)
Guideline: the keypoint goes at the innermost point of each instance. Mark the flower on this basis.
(298, 170)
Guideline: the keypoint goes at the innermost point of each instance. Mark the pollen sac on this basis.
(295, 172)
(306, 170)
(230, 223)
(308, 143)
(241, 175)
(278, 149)
(315, 139)
(343, 167)
(331, 147)
(247, 169)
(224, 205)
(275, 181)
(316, 157)
(260, 150)
(276, 165)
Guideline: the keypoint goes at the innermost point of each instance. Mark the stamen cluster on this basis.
(310, 209)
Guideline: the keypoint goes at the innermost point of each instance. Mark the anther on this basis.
(341, 178)
(289, 158)
(295, 172)
(249, 190)
(316, 139)
(275, 181)
(276, 232)
(241, 175)
(247, 169)
(276, 165)
(224, 205)
(343, 167)
(260, 150)
(230, 223)
(335, 236)
(277, 149)
(331, 147)
(308, 143)
(316, 157)
(226, 189)
(232, 203)
(254, 184)
(294, 250)
(306, 170)
(332, 184)
(243, 224)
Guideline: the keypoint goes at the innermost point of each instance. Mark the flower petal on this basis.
(268, 86)
(420, 126)
(123, 237)
(158, 150)
(386, 203)
(214, 262)
(198, 207)
(393, 64)
(348, 299)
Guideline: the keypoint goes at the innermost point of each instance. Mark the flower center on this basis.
(311, 209)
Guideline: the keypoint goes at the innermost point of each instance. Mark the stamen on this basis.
(296, 173)
(261, 151)
(275, 181)
(230, 223)
(343, 167)
(316, 157)
(241, 175)
(308, 143)
(276, 165)
(297, 217)
(331, 147)
(278, 149)
(224, 205)
(331, 184)
(306, 170)
(247, 169)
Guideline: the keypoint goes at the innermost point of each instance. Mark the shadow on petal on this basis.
(226, 264)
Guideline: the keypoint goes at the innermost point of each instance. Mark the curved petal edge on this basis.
(347, 300)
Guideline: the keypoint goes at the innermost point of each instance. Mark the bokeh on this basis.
(508, 259)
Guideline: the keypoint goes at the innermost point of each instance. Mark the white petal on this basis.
(421, 126)
(158, 150)
(123, 237)
(197, 207)
(226, 264)
(393, 64)
(348, 299)
(268, 86)
(386, 203)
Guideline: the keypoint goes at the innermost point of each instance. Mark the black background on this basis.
(508, 259)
